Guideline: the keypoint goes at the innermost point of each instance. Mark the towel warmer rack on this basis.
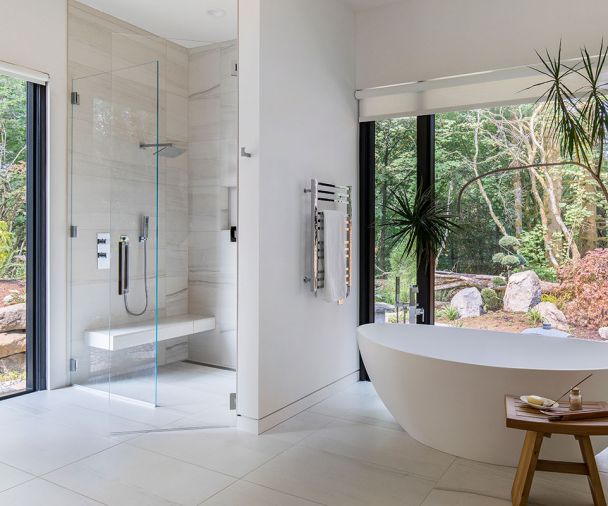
(339, 195)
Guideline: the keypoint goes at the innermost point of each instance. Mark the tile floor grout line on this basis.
(18, 469)
(19, 484)
(42, 475)
(314, 501)
(472, 492)
(379, 466)
(218, 492)
(73, 491)
(156, 452)
(379, 423)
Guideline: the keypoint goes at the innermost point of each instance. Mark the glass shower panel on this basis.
(114, 199)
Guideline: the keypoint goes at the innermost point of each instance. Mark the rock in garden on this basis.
(12, 364)
(551, 314)
(12, 343)
(468, 302)
(603, 331)
(523, 292)
(13, 318)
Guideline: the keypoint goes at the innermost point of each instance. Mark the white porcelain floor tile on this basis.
(41, 492)
(381, 446)
(243, 493)
(299, 427)
(228, 451)
(358, 403)
(451, 498)
(126, 475)
(339, 481)
(9, 477)
(548, 489)
(38, 447)
(99, 422)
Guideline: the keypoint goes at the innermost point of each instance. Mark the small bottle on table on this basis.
(576, 399)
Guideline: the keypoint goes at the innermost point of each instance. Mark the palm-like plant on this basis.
(419, 223)
(578, 118)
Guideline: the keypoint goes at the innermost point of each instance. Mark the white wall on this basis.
(307, 117)
(423, 39)
(34, 34)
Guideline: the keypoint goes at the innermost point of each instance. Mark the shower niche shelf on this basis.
(136, 334)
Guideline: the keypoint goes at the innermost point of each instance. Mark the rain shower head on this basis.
(166, 149)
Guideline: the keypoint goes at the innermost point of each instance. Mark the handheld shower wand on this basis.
(145, 222)
(124, 263)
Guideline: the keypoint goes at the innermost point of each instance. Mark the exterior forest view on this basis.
(531, 245)
(13, 125)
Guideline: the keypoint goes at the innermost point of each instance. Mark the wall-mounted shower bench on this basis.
(121, 337)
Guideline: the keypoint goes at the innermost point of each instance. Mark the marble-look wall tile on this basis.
(212, 162)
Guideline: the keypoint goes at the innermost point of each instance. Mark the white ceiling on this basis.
(185, 22)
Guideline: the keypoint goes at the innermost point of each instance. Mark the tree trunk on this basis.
(482, 190)
(517, 192)
(382, 250)
(589, 231)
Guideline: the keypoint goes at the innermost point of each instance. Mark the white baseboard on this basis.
(273, 419)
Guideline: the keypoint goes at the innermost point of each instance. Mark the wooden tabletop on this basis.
(520, 416)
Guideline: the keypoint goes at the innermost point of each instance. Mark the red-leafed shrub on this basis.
(585, 286)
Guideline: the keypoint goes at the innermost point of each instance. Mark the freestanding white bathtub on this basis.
(446, 386)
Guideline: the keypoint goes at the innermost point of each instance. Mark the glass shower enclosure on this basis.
(114, 258)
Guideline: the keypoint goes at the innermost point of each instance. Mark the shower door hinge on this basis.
(73, 365)
(73, 231)
(234, 69)
(75, 98)
(232, 401)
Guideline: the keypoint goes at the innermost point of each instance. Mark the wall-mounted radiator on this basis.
(325, 196)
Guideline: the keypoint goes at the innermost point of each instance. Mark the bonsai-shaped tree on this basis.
(578, 118)
(509, 259)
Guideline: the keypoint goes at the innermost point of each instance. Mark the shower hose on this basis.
(125, 295)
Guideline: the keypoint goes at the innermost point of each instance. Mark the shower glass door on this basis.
(113, 310)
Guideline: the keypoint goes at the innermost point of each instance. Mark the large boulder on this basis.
(603, 332)
(468, 302)
(551, 314)
(523, 292)
(12, 343)
(12, 364)
(13, 318)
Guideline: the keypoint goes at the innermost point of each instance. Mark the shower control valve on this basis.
(103, 251)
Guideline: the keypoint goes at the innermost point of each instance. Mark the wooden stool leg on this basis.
(526, 468)
(595, 482)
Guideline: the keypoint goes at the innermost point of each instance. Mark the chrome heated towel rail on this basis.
(320, 195)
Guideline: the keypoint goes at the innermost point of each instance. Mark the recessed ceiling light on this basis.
(217, 13)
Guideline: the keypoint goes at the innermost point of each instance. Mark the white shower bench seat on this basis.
(138, 333)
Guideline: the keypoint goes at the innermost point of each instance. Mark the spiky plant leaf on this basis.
(420, 223)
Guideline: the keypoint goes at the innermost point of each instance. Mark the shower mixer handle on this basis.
(123, 265)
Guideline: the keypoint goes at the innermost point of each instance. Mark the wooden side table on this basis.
(537, 427)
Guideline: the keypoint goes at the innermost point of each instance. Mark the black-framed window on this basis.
(425, 179)
(23, 235)
(36, 236)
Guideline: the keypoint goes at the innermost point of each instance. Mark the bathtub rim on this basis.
(361, 334)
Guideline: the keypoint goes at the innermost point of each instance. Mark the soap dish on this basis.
(547, 403)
